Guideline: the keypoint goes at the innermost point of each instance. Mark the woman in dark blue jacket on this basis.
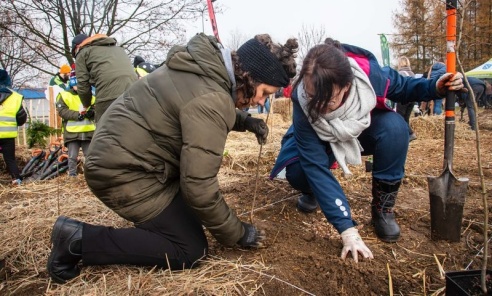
(340, 112)
(436, 70)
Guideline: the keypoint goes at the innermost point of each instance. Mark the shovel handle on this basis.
(450, 95)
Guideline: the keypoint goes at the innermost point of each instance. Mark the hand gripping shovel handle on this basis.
(447, 194)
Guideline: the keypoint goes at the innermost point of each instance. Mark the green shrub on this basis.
(38, 132)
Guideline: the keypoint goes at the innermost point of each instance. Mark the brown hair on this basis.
(286, 54)
(325, 65)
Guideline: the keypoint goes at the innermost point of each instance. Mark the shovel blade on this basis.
(447, 199)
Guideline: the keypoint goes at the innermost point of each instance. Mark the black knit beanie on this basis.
(256, 59)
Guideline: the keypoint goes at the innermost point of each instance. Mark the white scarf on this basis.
(342, 126)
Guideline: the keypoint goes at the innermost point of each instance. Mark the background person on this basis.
(478, 88)
(142, 68)
(488, 95)
(102, 65)
(340, 111)
(266, 106)
(437, 70)
(61, 78)
(406, 109)
(78, 128)
(12, 115)
(155, 160)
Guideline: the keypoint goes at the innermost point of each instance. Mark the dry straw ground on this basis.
(302, 252)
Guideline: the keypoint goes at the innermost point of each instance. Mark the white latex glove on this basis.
(449, 81)
(352, 242)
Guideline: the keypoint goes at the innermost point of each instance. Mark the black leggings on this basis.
(8, 150)
(175, 236)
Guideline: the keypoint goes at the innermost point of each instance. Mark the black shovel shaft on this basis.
(449, 129)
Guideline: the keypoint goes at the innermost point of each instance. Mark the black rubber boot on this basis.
(66, 253)
(383, 200)
(307, 203)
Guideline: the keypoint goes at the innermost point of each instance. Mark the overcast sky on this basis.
(356, 22)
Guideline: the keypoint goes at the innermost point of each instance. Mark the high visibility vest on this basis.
(57, 81)
(8, 112)
(73, 103)
(141, 72)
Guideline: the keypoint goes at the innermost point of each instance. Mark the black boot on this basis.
(66, 253)
(307, 203)
(383, 200)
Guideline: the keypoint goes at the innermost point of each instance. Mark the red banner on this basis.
(211, 13)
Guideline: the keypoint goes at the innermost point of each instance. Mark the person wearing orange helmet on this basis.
(61, 78)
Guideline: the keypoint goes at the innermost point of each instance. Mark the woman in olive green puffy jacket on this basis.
(156, 153)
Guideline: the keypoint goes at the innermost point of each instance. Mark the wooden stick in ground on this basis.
(483, 274)
(390, 281)
(257, 176)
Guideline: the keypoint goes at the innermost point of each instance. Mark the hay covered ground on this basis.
(302, 251)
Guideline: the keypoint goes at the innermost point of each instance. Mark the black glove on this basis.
(252, 237)
(257, 126)
(89, 114)
(81, 117)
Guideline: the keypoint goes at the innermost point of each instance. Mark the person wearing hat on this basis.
(12, 115)
(78, 128)
(101, 64)
(61, 78)
(142, 68)
(155, 160)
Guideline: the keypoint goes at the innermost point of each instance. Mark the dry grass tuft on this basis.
(432, 127)
(283, 106)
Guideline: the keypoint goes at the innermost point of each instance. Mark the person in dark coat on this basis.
(101, 64)
(406, 110)
(437, 70)
(341, 112)
(478, 87)
(155, 160)
(12, 115)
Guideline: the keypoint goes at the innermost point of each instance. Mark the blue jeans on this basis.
(437, 107)
(386, 139)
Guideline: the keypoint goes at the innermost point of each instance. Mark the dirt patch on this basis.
(302, 250)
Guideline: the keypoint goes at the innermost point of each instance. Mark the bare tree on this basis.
(309, 37)
(44, 28)
(237, 38)
(14, 56)
(420, 27)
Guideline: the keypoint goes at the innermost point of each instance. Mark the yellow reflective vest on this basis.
(8, 112)
(73, 103)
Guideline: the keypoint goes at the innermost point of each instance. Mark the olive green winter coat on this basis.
(167, 134)
(104, 65)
